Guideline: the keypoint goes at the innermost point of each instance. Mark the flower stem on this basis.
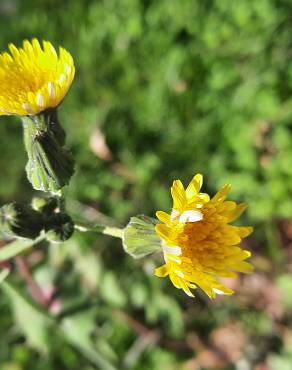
(113, 231)
(106, 230)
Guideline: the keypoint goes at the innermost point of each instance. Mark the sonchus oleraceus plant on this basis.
(198, 243)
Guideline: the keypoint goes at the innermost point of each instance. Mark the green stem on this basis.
(101, 229)
(114, 231)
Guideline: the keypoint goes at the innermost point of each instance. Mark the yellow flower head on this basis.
(34, 78)
(199, 244)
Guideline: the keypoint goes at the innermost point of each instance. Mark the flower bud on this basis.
(140, 237)
(19, 220)
(50, 166)
(47, 206)
(53, 125)
(59, 227)
(38, 203)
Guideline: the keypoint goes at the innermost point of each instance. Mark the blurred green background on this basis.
(164, 89)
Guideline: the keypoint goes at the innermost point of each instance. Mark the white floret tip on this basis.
(191, 216)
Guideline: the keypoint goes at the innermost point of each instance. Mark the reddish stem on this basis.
(35, 290)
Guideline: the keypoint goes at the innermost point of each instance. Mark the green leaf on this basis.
(77, 330)
(17, 247)
(33, 323)
(3, 275)
(112, 291)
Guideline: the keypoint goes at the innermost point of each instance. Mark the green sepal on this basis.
(20, 221)
(50, 166)
(140, 238)
(53, 125)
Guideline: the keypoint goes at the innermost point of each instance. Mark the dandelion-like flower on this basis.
(34, 78)
(198, 243)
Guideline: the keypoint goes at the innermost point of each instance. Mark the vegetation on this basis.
(164, 89)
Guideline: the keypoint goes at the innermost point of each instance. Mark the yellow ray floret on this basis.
(34, 78)
(198, 243)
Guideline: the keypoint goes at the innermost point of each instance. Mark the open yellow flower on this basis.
(199, 244)
(34, 78)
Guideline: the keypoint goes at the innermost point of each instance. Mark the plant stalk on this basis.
(35, 290)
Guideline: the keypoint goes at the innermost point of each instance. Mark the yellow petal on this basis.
(27, 47)
(244, 231)
(186, 288)
(176, 281)
(36, 46)
(194, 186)
(243, 266)
(221, 194)
(204, 197)
(172, 258)
(223, 290)
(162, 271)
(227, 274)
(25, 74)
(178, 195)
(165, 232)
(163, 217)
(235, 213)
(198, 253)
(13, 50)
